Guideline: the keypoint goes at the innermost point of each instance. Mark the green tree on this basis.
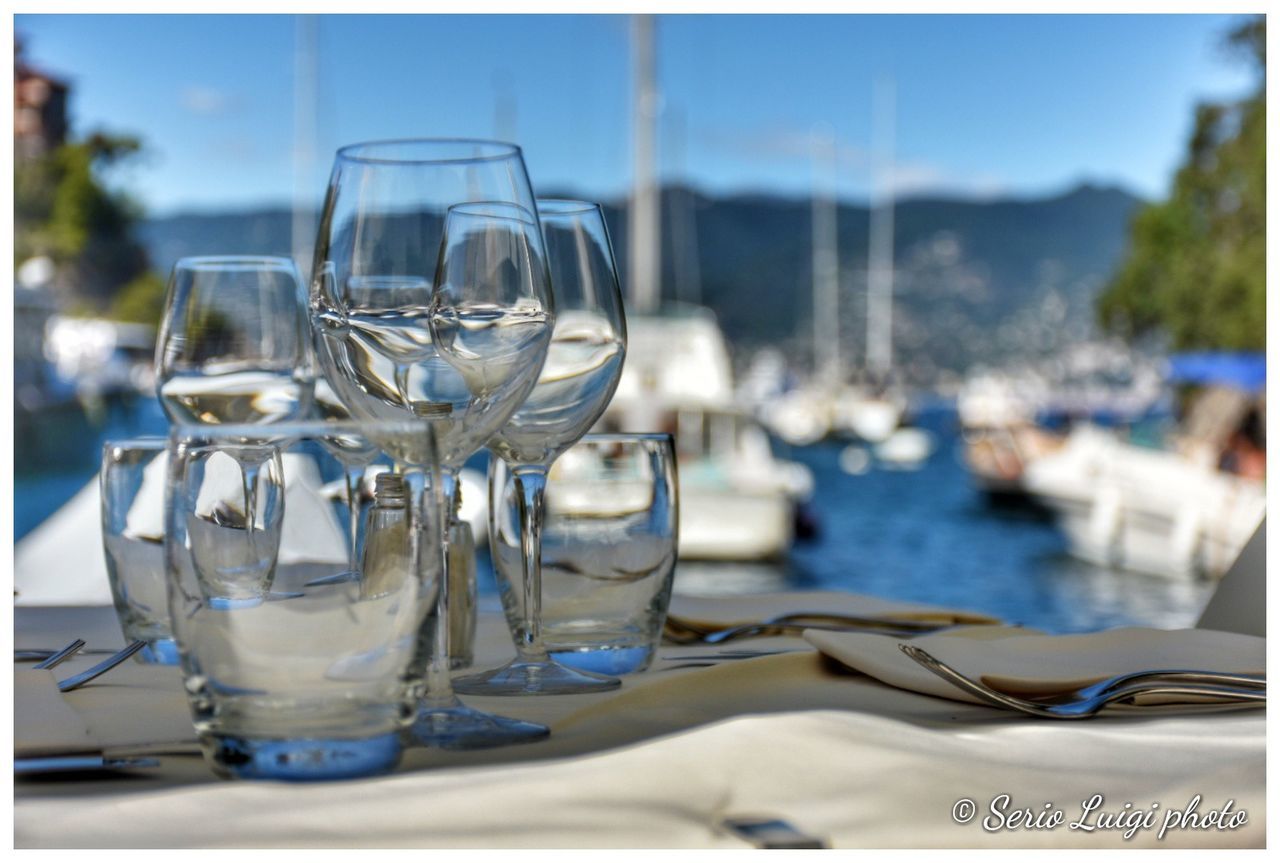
(141, 301)
(64, 209)
(1196, 265)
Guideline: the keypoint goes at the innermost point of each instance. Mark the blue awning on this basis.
(1242, 371)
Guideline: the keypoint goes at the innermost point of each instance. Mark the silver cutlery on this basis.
(828, 617)
(711, 660)
(62, 655)
(77, 763)
(677, 635)
(771, 833)
(38, 654)
(679, 630)
(1077, 706)
(1213, 678)
(101, 668)
(729, 654)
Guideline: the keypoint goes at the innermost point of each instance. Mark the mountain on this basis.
(974, 282)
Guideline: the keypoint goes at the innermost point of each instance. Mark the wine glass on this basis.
(234, 348)
(578, 379)
(430, 298)
(355, 454)
(233, 344)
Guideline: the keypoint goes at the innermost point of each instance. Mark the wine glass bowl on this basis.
(425, 306)
(233, 345)
(574, 386)
(430, 295)
(588, 343)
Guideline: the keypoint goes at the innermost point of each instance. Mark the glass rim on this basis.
(234, 262)
(136, 442)
(627, 437)
(477, 209)
(566, 206)
(300, 428)
(355, 152)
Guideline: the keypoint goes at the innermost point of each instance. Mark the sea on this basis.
(924, 535)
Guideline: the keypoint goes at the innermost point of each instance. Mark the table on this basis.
(666, 759)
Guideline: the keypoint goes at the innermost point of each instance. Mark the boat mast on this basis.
(683, 214)
(826, 297)
(644, 252)
(880, 258)
(504, 107)
(305, 97)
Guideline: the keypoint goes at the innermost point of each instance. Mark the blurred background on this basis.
(961, 309)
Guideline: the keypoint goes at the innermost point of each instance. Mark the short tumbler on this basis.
(608, 550)
(131, 483)
(296, 666)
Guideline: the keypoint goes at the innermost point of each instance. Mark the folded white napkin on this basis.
(134, 709)
(311, 531)
(1028, 663)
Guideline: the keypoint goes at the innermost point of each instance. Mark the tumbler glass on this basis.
(608, 550)
(131, 483)
(296, 668)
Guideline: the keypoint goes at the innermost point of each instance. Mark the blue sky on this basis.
(986, 105)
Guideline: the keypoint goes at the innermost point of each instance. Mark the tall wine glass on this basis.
(355, 454)
(430, 298)
(578, 379)
(234, 344)
(234, 348)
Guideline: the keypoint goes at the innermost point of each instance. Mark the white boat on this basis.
(736, 499)
(905, 449)
(863, 415)
(1147, 510)
(812, 413)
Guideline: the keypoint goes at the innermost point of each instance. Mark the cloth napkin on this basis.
(734, 610)
(1027, 663)
(134, 709)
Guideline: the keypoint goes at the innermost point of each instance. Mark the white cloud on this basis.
(908, 176)
(205, 101)
(920, 178)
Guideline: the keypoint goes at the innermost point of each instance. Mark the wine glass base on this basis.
(456, 726)
(544, 677)
(344, 577)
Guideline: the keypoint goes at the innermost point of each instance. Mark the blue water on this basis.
(930, 536)
(925, 535)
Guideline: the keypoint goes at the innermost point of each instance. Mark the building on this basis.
(39, 110)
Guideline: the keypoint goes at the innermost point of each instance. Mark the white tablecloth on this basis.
(663, 762)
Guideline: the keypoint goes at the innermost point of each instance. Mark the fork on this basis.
(677, 630)
(1088, 705)
(101, 668)
(62, 655)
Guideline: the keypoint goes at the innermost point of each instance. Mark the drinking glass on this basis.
(578, 379)
(233, 345)
(290, 674)
(131, 483)
(430, 298)
(609, 541)
(355, 454)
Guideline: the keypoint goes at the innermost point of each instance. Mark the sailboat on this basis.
(867, 412)
(737, 500)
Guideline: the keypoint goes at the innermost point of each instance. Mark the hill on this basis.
(975, 281)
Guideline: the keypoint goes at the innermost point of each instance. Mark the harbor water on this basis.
(925, 535)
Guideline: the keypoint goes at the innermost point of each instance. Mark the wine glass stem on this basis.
(531, 484)
(439, 685)
(250, 465)
(354, 476)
